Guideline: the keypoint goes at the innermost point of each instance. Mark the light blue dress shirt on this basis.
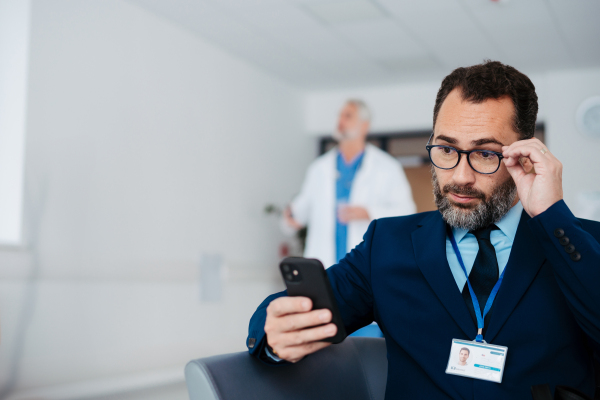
(502, 239)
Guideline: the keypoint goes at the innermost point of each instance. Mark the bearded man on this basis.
(533, 268)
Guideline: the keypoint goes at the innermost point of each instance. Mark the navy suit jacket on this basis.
(547, 311)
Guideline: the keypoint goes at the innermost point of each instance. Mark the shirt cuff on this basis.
(270, 355)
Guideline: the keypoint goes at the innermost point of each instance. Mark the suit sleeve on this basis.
(256, 341)
(397, 198)
(572, 248)
(350, 280)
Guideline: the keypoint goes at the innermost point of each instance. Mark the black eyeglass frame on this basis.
(468, 153)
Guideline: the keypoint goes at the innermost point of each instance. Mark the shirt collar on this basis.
(508, 224)
(356, 160)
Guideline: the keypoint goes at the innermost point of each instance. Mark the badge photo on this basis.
(477, 360)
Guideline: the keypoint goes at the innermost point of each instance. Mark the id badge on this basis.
(477, 360)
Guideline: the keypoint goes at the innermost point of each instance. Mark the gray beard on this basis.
(489, 210)
(347, 135)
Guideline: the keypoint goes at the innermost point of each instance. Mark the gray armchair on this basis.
(353, 369)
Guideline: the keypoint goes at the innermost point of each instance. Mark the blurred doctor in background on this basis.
(346, 188)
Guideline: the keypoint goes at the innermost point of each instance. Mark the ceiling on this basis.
(340, 43)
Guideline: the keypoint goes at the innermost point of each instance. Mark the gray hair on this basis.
(363, 110)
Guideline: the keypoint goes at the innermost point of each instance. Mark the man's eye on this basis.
(485, 156)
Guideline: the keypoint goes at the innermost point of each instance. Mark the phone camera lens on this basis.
(289, 277)
(286, 268)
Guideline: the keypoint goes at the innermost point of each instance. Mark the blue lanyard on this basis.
(490, 300)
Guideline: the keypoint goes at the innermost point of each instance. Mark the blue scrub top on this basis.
(343, 185)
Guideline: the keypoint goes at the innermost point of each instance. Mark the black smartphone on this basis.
(307, 277)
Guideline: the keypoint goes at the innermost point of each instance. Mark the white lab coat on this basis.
(379, 185)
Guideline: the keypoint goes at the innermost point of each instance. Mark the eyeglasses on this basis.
(447, 157)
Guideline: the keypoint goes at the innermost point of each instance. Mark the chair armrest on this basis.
(199, 382)
(355, 368)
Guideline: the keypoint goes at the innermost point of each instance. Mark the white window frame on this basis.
(14, 61)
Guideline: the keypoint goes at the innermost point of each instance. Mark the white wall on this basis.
(410, 107)
(145, 147)
(578, 153)
(399, 107)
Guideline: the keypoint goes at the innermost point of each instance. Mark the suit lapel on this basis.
(429, 244)
(523, 265)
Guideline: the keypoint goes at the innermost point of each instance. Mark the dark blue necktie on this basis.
(484, 274)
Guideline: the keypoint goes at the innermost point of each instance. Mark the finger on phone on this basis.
(305, 336)
(294, 322)
(289, 305)
(297, 353)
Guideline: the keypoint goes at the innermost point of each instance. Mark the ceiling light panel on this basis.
(347, 11)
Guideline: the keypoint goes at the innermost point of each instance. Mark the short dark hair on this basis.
(464, 348)
(493, 80)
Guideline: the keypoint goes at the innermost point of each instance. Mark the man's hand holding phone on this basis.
(294, 331)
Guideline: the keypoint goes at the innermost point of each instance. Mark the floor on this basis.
(169, 392)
